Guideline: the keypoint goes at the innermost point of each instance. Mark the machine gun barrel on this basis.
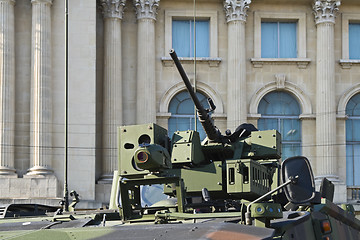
(212, 132)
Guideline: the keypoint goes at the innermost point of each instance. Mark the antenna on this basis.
(195, 111)
(66, 191)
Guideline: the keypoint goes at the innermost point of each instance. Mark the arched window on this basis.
(353, 141)
(182, 111)
(280, 111)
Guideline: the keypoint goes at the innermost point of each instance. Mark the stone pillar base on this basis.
(7, 171)
(103, 192)
(39, 170)
(30, 188)
(106, 178)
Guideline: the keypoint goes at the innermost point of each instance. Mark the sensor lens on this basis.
(142, 157)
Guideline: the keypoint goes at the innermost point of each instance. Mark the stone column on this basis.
(236, 77)
(326, 155)
(7, 87)
(41, 103)
(146, 11)
(112, 95)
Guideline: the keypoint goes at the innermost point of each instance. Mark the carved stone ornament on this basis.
(113, 8)
(9, 1)
(236, 9)
(280, 80)
(325, 10)
(146, 8)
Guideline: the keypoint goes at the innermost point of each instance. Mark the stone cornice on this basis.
(112, 8)
(146, 8)
(236, 9)
(42, 1)
(325, 10)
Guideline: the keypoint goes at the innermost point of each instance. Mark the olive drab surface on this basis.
(232, 186)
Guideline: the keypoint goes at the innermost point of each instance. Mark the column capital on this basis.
(325, 10)
(146, 8)
(9, 1)
(42, 1)
(113, 8)
(236, 9)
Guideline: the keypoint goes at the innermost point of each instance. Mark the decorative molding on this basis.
(41, 1)
(236, 9)
(342, 117)
(296, 91)
(113, 8)
(280, 80)
(213, 62)
(301, 62)
(9, 1)
(146, 8)
(347, 64)
(307, 117)
(201, 87)
(325, 10)
(345, 98)
(163, 115)
(254, 116)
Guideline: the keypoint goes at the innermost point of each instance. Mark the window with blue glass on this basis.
(278, 39)
(353, 141)
(182, 111)
(280, 111)
(354, 36)
(183, 38)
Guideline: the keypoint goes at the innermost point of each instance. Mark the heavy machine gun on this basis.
(232, 186)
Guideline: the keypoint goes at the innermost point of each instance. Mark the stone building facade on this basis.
(120, 73)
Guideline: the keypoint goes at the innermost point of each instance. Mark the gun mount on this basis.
(204, 176)
(212, 132)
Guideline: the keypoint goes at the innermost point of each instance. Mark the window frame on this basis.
(212, 16)
(278, 119)
(300, 19)
(351, 143)
(347, 18)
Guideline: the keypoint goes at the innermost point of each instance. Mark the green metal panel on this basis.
(266, 144)
(207, 176)
(247, 177)
(195, 179)
(129, 138)
(186, 148)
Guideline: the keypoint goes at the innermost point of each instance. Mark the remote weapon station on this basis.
(231, 186)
